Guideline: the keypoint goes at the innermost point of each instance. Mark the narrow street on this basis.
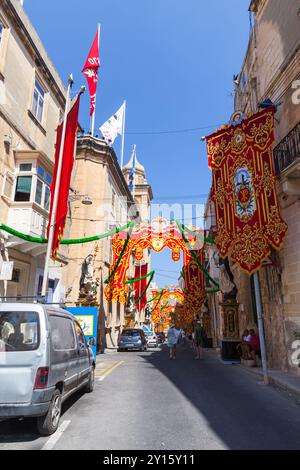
(146, 401)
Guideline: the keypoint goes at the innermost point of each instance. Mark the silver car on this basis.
(44, 358)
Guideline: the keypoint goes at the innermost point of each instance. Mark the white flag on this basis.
(114, 126)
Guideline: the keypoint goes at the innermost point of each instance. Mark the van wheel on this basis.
(48, 424)
(90, 385)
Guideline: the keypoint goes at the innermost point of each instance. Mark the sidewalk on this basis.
(286, 381)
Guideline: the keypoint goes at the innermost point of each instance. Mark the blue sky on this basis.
(173, 61)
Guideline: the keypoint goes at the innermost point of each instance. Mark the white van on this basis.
(44, 358)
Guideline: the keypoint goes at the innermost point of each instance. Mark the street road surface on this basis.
(146, 401)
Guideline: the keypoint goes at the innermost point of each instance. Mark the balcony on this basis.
(288, 151)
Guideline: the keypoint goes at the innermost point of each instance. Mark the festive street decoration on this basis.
(244, 193)
(157, 236)
(64, 155)
(172, 296)
(66, 241)
(169, 298)
(90, 70)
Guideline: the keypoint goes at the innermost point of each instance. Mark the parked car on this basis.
(161, 337)
(44, 358)
(152, 340)
(132, 338)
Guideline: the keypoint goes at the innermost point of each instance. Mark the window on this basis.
(39, 192)
(62, 333)
(25, 167)
(30, 177)
(44, 175)
(38, 101)
(23, 188)
(16, 275)
(80, 336)
(47, 198)
(19, 331)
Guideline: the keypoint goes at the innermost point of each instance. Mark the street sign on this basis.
(88, 320)
(6, 270)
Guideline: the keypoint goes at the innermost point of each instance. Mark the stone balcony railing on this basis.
(287, 151)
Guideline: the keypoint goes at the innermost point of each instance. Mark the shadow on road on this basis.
(243, 412)
(14, 430)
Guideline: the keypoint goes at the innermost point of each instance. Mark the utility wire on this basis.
(171, 131)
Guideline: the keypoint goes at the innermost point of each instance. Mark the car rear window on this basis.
(131, 333)
(19, 331)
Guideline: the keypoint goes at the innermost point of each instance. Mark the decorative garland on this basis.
(121, 254)
(146, 288)
(180, 226)
(162, 309)
(197, 235)
(154, 298)
(160, 296)
(71, 241)
(132, 281)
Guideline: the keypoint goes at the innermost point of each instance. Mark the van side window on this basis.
(80, 336)
(62, 333)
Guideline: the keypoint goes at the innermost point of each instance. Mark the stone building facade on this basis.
(142, 194)
(271, 71)
(98, 178)
(32, 99)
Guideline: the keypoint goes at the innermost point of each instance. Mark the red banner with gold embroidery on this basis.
(140, 286)
(244, 192)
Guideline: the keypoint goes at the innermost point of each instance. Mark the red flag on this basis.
(67, 166)
(90, 70)
(141, 271)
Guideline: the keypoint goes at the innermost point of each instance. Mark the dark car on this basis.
(132, 339)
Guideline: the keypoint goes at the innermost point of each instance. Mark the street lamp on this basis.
(85, 199)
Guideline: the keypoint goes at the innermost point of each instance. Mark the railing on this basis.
(287, 151)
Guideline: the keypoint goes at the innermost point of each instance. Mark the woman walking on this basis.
(172, 341)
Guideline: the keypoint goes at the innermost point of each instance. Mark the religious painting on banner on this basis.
(244, 192)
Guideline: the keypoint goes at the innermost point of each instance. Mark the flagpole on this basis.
(56, 190)
(94, 113)
(123, 136)
(134, 164)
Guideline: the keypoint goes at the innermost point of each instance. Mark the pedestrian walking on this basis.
(172, 341)
(199, 339)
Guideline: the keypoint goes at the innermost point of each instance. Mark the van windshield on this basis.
(19, 331)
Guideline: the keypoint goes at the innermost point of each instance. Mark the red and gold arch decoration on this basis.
(172, 297)
(167, 304)
(156, 236)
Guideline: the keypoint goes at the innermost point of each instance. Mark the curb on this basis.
(276, 382)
